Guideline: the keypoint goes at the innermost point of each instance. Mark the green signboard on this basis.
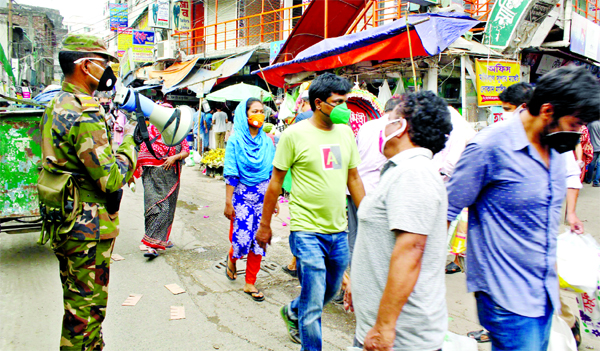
(502, 23)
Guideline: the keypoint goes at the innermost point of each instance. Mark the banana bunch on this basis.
(214, 158)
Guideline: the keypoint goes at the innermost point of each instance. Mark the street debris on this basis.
(175, 289)
(132, 300)
(177, 312)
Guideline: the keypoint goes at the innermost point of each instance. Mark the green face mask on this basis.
(340, 114)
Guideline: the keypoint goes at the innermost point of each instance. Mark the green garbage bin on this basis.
(20, 162)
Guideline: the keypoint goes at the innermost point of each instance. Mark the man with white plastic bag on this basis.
(579, 271)
(513, 181)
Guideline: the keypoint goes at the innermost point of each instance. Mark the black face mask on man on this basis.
(108, 79)
(562, 141)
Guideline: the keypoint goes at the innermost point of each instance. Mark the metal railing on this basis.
(479, 10)
(264, 27)
(376, 13)
(588, 9)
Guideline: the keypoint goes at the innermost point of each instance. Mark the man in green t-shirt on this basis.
(322, 157)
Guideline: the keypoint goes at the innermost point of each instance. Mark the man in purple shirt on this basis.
(513, 181)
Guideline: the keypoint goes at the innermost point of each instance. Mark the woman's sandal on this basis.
(452, 268)
(256, 295)
(228, 270)
(482, 336)
(152, 253)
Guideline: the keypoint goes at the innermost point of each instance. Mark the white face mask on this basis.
(507, 115)
(383, 139)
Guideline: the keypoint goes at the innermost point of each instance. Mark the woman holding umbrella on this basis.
(248, 167)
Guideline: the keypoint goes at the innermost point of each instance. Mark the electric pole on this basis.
(10, 31)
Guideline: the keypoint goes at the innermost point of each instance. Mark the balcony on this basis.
(277, 25)
(264, 27)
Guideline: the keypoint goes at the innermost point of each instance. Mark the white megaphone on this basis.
(174, 124)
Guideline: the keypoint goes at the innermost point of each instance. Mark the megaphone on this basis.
(174, 124)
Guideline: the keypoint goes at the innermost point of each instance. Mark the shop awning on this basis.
(195, 77)
(175, 73)
(430, 34)
(310, 28)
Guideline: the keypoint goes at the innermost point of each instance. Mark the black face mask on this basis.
(107, 81)
(562, 141)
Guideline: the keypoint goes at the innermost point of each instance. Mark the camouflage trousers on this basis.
(84, 271)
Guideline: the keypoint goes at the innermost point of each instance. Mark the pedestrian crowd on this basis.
(378, 205)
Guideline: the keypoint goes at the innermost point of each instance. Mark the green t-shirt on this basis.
(319, 162)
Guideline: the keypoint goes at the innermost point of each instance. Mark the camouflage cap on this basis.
(87, 43)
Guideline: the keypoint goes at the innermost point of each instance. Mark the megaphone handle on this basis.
(141, 128)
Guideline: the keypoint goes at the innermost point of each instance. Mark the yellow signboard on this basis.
(140, 53)
(493, 76)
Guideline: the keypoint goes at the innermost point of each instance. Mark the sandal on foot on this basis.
(482, 336)
(256, 295)
(152, 253)
(291, 272)
(228, 270)
(452, 268)
(170, 244)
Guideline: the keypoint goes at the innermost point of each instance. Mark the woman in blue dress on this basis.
(248, 167)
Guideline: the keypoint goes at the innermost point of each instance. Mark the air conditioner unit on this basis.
(165, 50)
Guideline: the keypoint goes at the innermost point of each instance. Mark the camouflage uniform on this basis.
(75, 140)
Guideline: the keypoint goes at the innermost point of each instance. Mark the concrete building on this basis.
(33, 55)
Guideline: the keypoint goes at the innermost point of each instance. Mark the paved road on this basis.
(218, 314)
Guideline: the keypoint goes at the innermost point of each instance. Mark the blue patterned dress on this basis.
(248, 205)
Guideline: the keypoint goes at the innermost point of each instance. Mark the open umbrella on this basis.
(239, 92)
(430, 34)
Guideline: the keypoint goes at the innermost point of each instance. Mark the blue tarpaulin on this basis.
(430, 34)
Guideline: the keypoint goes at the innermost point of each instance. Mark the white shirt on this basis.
(371, 158)
(460, 135)
(219, 122)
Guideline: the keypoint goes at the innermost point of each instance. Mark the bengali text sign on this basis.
(493, 77)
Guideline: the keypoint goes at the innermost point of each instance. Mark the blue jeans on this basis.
(321, 260)
(510, 331)
(593, 173)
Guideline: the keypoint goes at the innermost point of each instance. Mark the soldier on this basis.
(75, 140)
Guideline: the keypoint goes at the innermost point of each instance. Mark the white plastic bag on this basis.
(578, 260)
(455, 342)
(561, 337)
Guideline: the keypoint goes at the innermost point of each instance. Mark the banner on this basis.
(585, 36)
(142, 37)
(127, 39)
(124, 41)
(159, 14)
(493, 77)
(275, 48)
(118, 16)
(182, 15)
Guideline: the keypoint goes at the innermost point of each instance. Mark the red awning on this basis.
(310, 28)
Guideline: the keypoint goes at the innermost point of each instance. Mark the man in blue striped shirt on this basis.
(513, 181)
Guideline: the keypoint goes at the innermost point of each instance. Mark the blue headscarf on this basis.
(249, 159)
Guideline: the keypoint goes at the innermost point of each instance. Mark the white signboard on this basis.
(159, 14)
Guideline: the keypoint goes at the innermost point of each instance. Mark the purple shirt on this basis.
(514, 205)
